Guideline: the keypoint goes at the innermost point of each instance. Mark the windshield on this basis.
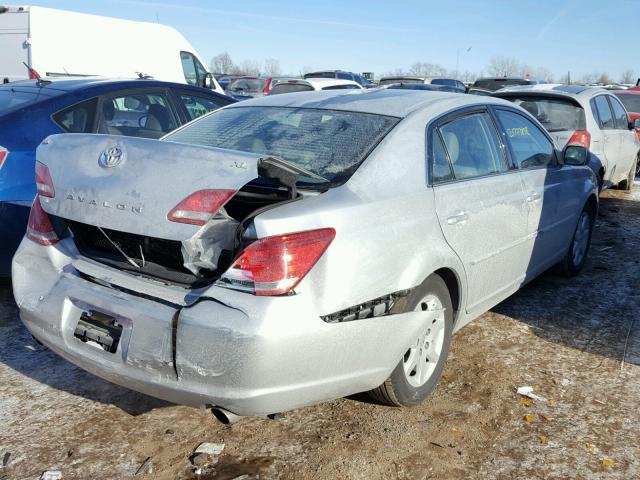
(252, 85)
(494, 84)
(631, 102)
(281, 87)
(329, 143)
(555, 115)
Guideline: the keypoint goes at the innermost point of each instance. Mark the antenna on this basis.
(32, 72)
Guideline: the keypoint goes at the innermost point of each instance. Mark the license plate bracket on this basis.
(99, 328)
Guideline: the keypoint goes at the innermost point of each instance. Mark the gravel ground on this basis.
(576, 341)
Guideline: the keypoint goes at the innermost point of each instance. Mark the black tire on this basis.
(570, 265)
(627, 184)
(396, 390)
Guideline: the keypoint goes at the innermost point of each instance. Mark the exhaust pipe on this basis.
(225, 416)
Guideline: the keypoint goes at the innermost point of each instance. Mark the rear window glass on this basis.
(329, 143)
(253, 85)
(290, 88)
(11, 98)
(341, 87)
(630, 102)
(498, 83)
(389, 81)
(444, 81)
(320, 75)
(555, 115)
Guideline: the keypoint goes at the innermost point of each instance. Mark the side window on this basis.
(78, 118)
(604, 112)
(441, 168)
(530, 147)
(137, 114)
(189, 68)
(197, 105)
(201, 73)
(620, 114)
(473, 146)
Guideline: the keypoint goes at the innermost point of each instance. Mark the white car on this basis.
(588, 116)
(308, 84)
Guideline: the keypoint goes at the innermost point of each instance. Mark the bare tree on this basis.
(628, 76)
(604, 78)
(589, 77)
(501, 66)
(272, 67)
(249, 67)
(222, 63)
(467, 76)
(542, 73)
(305, 69)
(421, 69)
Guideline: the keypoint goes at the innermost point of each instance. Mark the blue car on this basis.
(33, 109)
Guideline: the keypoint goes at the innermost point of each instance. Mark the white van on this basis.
(62, 43)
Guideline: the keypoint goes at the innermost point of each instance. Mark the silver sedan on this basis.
(296, 248)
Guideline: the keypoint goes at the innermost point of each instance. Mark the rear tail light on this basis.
(4, 153)
(276, 265)
(39, 228)
(200, 207)
(43, 181)
(581, 138)
(267, 86)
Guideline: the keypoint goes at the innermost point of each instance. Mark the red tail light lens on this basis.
(581, 138)
(4, 153)
(200, 207)
(43, 181)
(276, 265)
(39, 228)
(267, 86)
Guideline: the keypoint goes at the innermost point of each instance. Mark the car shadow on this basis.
(594, 311)
(20, 352)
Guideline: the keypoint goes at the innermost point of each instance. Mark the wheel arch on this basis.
(451, 280)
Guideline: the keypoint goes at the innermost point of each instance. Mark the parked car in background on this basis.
(496, 83)
(421, 86)
(587, 116)
(479, 91)
(304, 85)
(224, 80)
(449, 82)
(630, 98)
(341, 74)
(348, 232)
(61, 43)
(31, 110)
(245, 88)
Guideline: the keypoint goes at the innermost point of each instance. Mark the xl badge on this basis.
(111, 157)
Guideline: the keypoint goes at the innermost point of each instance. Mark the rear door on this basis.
(627, 138)
(550, 191)
(480, 205)
(610, 138)
(14, 46)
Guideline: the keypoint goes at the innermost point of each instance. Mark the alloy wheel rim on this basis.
(420, 360)
(581, 239)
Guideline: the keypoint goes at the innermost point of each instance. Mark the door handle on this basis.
(533, 196)
(458, 217)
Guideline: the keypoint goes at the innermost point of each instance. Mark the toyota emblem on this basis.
(111, 157)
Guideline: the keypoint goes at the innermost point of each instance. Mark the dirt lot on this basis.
(566, 338)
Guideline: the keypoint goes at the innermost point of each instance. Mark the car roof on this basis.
(628, 91)
(573, 91)
(70, 84)
(380, 101)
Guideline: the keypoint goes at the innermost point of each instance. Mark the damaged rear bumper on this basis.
(250, 355)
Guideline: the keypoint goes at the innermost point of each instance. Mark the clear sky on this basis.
(581, 36)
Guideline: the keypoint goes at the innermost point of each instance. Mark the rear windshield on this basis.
(320, 75)
(290, 88)
(444, 81)
(389, 81)
(630, 102)
(252, 85)
(494, 84)
(329, 143)
(554, 114)
(12, 98)
(341, 87)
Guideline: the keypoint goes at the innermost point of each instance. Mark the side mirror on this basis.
(575, 155)
(208, 83)
(636, 125)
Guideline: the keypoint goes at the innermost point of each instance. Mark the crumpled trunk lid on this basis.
(130, 184)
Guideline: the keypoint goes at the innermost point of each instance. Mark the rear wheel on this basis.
(577, 254)
(421, 366)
